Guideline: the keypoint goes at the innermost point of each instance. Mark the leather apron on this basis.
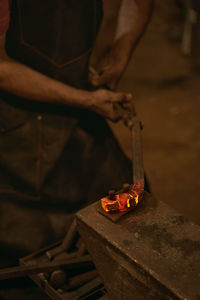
(53, 159)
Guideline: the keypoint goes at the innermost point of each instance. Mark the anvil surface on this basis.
(151, 253)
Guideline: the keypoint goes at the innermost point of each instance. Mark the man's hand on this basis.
(115, 65)
(107, 103)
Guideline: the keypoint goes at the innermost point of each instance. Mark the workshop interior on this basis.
(90, 207)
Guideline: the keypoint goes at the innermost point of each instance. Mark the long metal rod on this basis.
(137, 156)
(134, 124)
(23, 271)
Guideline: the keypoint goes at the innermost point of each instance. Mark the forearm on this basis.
(133, 17)
(132, 20)
(27, 83)
(22, 81)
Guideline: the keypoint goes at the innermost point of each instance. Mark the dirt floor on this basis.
(167, 99)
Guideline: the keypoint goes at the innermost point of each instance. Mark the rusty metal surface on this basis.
(151, 253)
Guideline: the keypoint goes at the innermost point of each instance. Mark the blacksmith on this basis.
(57, 152)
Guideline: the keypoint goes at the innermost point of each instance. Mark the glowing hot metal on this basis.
(124, 201)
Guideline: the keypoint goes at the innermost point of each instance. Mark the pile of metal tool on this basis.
(63, 270)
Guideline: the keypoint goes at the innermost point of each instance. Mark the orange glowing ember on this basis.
(123, 201)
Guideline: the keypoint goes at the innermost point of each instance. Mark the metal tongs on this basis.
(135, 126)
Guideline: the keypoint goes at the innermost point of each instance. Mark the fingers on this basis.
(109, 112)
(126, 105)
(118, 103)
(114, 115)
(98, 81)
(111, 104)
(108, 78)
(120, 97)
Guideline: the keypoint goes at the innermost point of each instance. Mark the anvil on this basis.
(151, 253)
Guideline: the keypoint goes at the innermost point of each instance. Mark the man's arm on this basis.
(27, 83)
(132, 20)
